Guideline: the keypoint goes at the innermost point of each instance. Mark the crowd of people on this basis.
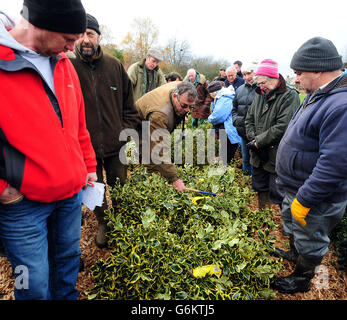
(65, 102)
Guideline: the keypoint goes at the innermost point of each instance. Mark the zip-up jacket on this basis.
(108, 99)
(244, 96)
(157, 107)
(137, 75)
(312, 156)
(266, 121)
(46, 151)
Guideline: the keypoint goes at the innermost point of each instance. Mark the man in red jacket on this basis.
(46, 155)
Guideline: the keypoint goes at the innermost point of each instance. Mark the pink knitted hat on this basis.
(268, 68)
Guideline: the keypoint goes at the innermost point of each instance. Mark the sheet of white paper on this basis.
(93, 196)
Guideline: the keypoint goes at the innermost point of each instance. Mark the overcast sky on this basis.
(232, 30)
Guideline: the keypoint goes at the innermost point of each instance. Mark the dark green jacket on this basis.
(267, 120)
(109, 102)
(136, 73)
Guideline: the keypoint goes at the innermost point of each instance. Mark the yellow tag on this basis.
(211, 269)
(196, 199)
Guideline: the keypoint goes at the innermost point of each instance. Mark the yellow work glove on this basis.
(299, 212)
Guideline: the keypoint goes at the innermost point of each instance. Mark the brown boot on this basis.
(264, 200)
(101, 239)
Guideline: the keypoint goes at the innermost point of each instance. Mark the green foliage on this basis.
(339, 237)
(158, 236)
(193, 148)
(114, 51)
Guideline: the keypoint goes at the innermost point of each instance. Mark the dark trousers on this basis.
(230, 151)
(265, 181)
(113, 169)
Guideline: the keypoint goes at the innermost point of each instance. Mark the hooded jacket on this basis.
(46, 151)
(267, 120)
(108, 98)
(221, 109)
(136, 74)
(312, 156)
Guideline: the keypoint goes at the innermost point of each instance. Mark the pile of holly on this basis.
(158, 236)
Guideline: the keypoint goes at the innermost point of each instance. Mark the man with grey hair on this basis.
(146, 75)
(232, 78)
(165, 108)
(312, 161)
(202, 107)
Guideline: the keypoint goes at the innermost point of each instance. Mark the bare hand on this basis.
(179, 185)
(91, 177)
(10, 195)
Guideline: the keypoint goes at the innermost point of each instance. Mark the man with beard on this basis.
(109, 105)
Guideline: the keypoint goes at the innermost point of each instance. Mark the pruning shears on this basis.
(203, 192)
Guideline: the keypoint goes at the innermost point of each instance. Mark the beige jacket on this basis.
(157, 108)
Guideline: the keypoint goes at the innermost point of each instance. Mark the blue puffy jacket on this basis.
(221, 112)
(312, 156)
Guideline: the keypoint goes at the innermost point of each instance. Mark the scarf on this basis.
(146, 72)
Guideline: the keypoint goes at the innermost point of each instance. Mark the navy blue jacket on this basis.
(237, 82)
(312, 156)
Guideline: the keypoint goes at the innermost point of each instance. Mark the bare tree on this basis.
(144, 36)
(178, 53)
(106, 35)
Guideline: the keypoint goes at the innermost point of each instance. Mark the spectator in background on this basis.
(243, 99)
(201, 108)
(222, 75)
(109, 108)
(312, 162)
(238, 66)
(266, 121)
(173, 76)
(146, 75)
(221, 117)
(46, 155)
(233, 79)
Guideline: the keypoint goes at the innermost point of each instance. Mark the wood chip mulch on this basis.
(330, 287)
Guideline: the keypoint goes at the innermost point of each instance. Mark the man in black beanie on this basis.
(312, 162)
(110, 107)
(55, 15)
(46, 155)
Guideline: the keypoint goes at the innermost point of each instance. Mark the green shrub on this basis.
(339, 237)
(158, 236)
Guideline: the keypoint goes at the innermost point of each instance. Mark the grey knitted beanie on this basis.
(317, 55)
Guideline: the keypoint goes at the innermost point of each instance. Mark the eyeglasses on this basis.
(184, 105)
(262, 83)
